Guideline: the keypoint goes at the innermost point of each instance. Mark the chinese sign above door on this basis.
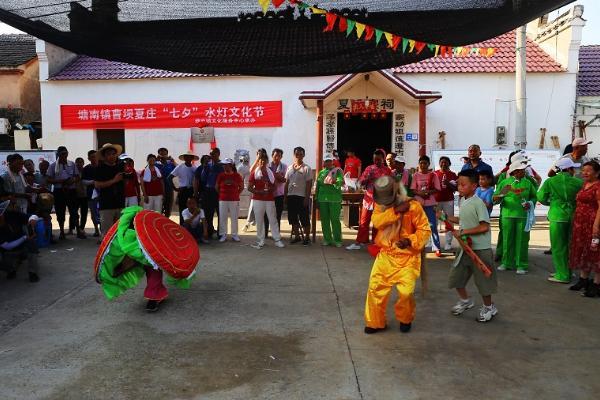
(172, 115)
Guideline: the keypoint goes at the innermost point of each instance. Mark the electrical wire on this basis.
(47, 5)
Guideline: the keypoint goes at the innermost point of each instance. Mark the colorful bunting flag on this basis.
(378, 34)
(264, 4)
(343, 25)
(330, 18)
(360, 28)
(348, 26)
(370, 32)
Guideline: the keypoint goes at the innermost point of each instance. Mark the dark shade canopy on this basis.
(234, 37)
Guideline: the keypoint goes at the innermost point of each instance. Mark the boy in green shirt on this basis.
(516, 195)
(474, 221)
(559, 192)
(329, 200)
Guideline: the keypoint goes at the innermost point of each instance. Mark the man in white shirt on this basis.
(578, 156)
(185, 173)
(298, 187)
(194, 221)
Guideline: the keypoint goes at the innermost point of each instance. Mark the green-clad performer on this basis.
(530, 173)
(517, 197)
(329, 199)
(559, 192)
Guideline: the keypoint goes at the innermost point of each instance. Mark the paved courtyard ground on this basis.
(288, 323)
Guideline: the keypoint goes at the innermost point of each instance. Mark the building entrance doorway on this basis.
(112, 136)
(363, 135)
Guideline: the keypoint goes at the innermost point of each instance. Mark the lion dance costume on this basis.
(145, 243)
(395, 266)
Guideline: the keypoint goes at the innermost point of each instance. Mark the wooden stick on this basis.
(469, 251)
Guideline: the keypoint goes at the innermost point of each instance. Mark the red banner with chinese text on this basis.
(248, 114)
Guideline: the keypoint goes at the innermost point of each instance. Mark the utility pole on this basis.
(520, 89)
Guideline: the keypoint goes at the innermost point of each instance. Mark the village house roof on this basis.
(16, 49)
(588, 79)
(503, 60)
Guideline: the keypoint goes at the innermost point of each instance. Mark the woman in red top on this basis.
(352, 165)
(153, 187)
(584, 253)
(445, 197)
(261, 184)
(229, 186)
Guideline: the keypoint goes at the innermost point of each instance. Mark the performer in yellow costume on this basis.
(403, 232)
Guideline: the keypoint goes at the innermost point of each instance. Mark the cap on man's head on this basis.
(400, 159)
(581, 142)
(328, 157)
(566, 163)
(227, 161)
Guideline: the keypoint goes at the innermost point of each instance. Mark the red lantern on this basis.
(347, 114)
(382, 114)
(374, 115)
(365, 116)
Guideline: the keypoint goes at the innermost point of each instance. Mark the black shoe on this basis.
(152, 306)
(33, 277)
(96, 234)
(549, 251)
(295, 240)
(582, 283)
(592, 290)
(404, 328)
(11, 275)
(369, 330)
(306, 242)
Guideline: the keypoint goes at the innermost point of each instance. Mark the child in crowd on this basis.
(474, 220)
(132, 183)
(517, 196)
(194, 220)
(229, 186)
(425, 185)
(402, 232)
(485, 191)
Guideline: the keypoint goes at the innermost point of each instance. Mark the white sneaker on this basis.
(487, 313)
(258, 245)
(279, 243)
(462, 305)
(448, 247)
(223, 238)
(501, 267)
(354, 246)
(235, 238)
(521, 272)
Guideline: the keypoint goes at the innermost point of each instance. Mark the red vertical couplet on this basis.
(422, 128)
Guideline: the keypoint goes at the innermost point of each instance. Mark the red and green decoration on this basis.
(368, 33)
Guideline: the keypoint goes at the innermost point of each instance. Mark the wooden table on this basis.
(348, 200)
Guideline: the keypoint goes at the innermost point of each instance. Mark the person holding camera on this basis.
(109, 183)
(64, 176)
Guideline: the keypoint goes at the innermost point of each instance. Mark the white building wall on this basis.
(588, 108)
(299, 124)
(474, 104)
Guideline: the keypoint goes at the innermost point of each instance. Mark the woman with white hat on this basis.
(517, 195)
(329, 199)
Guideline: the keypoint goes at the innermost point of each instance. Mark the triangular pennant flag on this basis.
(302, 5)
(378, 34)
(389, 37)
(411, 45)
(343, 25)
(395, 42)
(404, 44)
(443, 50)
(449, 51)
(457, 50)
(474, 50)
(350, 27)
(419, 46)
(316, 10)
(437, 50)
(277, 3)
(431, 47)
(490, 52)
(264, 4)
(360, 28)
(330, 18)
(370, 31)
(465, 52)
